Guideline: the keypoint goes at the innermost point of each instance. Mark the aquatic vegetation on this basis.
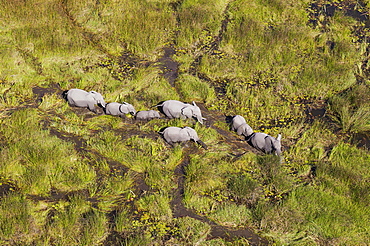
(296, 68)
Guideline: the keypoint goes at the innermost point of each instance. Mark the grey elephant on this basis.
(176, 109)
(119, 109)
(265, 143)
(240, 126)
(84, 99)
(177, 134)
(147, 115)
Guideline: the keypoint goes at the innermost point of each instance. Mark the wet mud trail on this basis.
(217, 231)
(169, 67)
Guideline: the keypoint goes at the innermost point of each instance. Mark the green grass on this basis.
(15, 220)
(199, 21)
(196, 235)
(193, 89)
(71, 177)
(42, 161)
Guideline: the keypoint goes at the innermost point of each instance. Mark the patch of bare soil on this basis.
(40, 92)
(168, 66)
(361, 140)
(5, 188)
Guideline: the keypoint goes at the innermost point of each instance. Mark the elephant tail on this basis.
(160, 104)
(64, 94)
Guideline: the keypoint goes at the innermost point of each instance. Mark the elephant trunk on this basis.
(202, 144)
(200, 119)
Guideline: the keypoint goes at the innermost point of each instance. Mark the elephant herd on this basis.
(173, 109)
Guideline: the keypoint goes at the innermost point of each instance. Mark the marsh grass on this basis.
(267, 64)
(327, 223)
(340, 185)
(204, 181)
(141, 27)
(347, 169)
(312, 145)
(269, 54)
(243, 187)
(197, 18)
(122, 220)
(232, 215)
(95, 227)
(142, 155)
(193, 89)
(43, 161)
(157, 205)
(74, 226)
(199, 231)
(351, 109)
(15, 218)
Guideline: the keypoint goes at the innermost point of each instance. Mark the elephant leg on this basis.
(91, 106)
(172, 144)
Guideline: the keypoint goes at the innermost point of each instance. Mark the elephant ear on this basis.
(268, 145)
(192, 133)
(187, 112)
(240, 130)
(90, 96)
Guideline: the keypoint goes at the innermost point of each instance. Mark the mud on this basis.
(361, 141)
(6, 189)
(40, 92)
(316, 112)
(169, 67)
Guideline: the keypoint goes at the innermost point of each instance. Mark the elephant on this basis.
(177, 134)
(240, 126)
(176, 109)
(147, 115)
(84, 99)
(118, 109)
(265, 143)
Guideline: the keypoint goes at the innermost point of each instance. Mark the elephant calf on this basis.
(176, 134)
(261, 141)
(84, 99)
(118, 109)
(240, 126)
(147, 115)
(265, 143)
